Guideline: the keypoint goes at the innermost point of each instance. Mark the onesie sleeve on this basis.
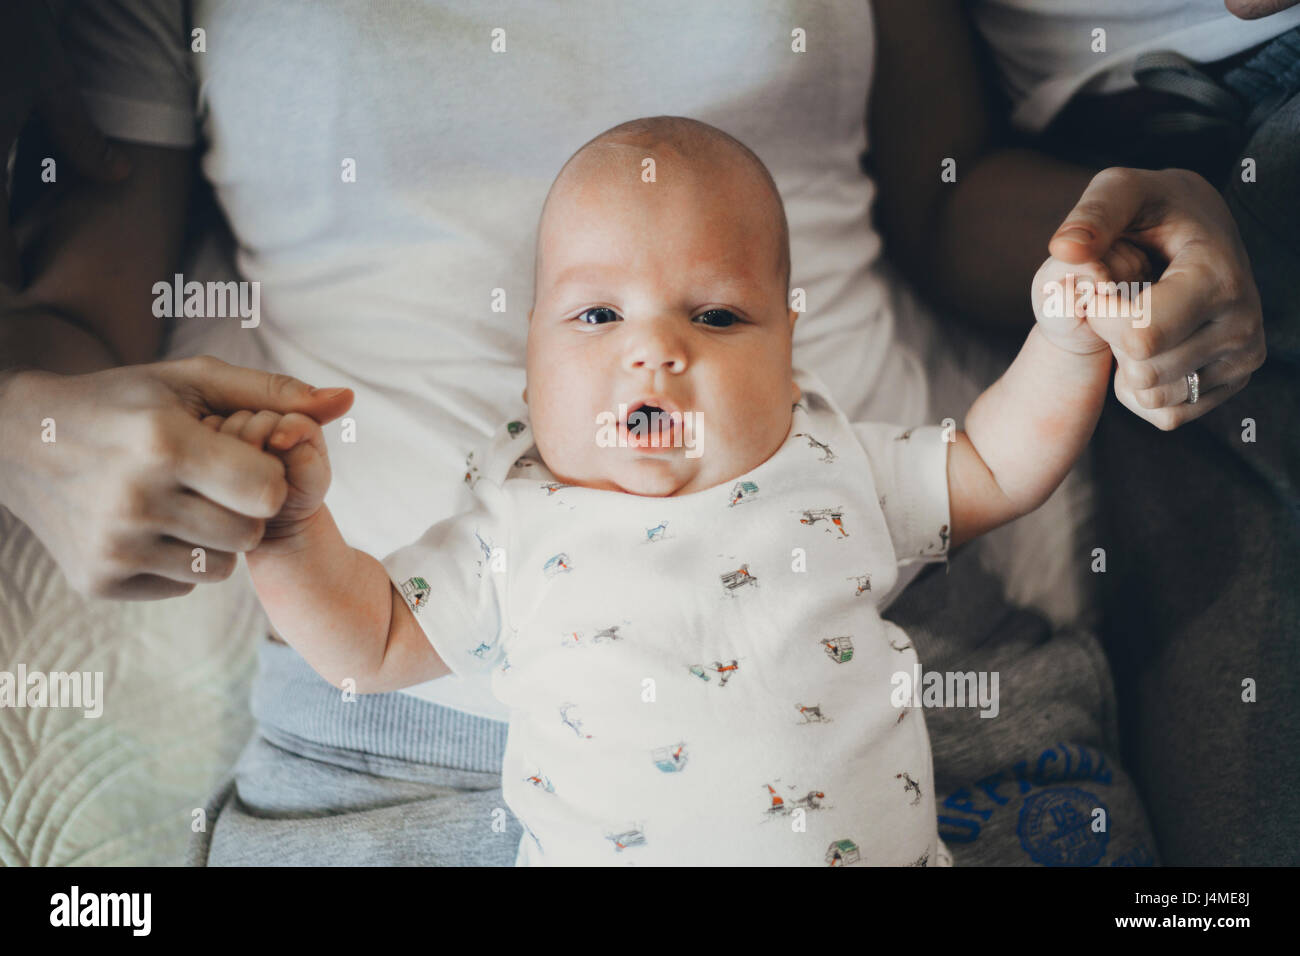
(454, 580)
(132, 63)
(910, 470)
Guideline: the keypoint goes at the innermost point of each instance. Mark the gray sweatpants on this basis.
(383, 780)
(389, 779)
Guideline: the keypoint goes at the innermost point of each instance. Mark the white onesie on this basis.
(702, 679)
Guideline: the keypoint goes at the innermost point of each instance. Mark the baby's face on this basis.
(667, 292)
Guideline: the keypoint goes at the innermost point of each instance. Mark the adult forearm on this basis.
(38, 338)
(30, 340)
(971, 245)
(989, 235)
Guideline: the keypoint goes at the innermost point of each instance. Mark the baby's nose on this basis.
(668, 364)
(655, 349)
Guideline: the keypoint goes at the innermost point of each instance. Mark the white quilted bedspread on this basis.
(119, 789)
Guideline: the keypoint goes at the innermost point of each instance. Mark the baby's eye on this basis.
(599, 309)
(726, 318)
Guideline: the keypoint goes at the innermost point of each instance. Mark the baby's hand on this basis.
(1066, 302)
(298, 442)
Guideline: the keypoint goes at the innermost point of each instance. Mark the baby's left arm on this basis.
(1024, 434)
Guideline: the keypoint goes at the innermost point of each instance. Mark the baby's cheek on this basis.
(566, 446)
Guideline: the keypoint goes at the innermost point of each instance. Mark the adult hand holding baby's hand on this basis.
(1070, 311)
(130, 483)
(1202, 313)
(298, 442)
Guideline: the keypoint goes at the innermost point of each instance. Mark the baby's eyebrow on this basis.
(728, 285)
(587, 274)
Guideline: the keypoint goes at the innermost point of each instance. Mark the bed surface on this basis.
(118, 789)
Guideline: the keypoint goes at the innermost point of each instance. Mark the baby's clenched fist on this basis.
(1071, 303)
(297, 441)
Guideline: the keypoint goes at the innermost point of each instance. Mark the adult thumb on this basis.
(1109, 206)
(223, 388)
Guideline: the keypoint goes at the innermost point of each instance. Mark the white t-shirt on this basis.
(685, 675)
(387, 284)
(1044, 50)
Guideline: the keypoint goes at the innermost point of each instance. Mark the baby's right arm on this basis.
(335, 605)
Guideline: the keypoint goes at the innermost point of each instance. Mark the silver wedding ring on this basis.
(1193, 388)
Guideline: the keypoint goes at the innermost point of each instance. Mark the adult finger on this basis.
(1165, 315)
(1213, 351)
(1177, 392)
(166, 559)
(216, 386)
(1254, 9)
(1172, 416)
(1126, 262)
(191, 517)
(1114, 201)
(231, 473)
(177, 560)
(143, 587)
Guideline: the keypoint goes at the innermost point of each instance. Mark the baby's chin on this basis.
(656, 482)
(657, 478)
(647, 480)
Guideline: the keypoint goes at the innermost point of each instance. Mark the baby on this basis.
(683, 620)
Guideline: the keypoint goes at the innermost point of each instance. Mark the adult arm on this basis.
(93, 255)
(103, 458)
(972, 245)
(35, 79)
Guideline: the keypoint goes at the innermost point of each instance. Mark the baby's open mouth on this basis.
(640, 420)
(649, 424)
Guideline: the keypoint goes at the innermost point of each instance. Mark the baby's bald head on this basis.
(673, 286)
(682, 149)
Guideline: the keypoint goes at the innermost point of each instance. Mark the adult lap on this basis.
(377, 779)
(1206, 532)
(1022, 786)
(288, 810)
